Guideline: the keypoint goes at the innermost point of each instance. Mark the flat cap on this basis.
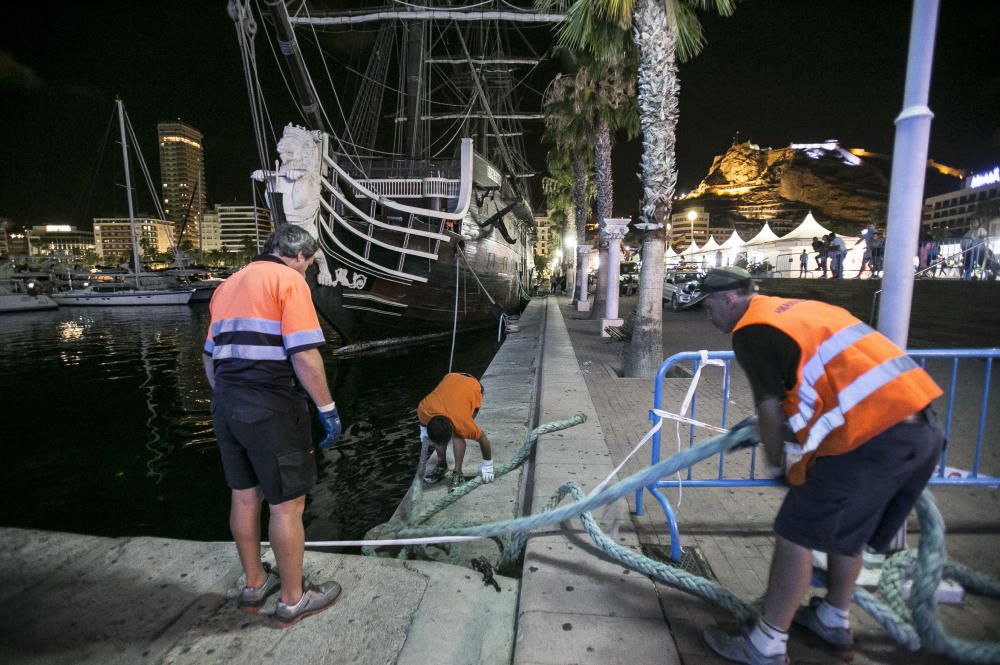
(725, 279)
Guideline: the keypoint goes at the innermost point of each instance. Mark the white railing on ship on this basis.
(393, 187)
(412, 188)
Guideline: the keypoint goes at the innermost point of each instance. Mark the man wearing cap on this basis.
(866, 443)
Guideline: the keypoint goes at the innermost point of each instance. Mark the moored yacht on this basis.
(105, 295)
(17, 296)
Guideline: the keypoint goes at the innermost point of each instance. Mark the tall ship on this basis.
(413, 179)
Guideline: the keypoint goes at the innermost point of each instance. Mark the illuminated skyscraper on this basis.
(182, 173)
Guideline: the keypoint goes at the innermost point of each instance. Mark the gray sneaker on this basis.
(737, 647)
(251, 600)
(435, 474)
(838, 638)
(314, 600)
(455, 480)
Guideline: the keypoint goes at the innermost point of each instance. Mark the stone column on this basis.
(615, 228)
(583, 265)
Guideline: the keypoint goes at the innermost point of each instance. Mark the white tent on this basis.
(765, 235)
(711, 245)
(691, 249)
(670, 253)
(807, 230)
(732, 242)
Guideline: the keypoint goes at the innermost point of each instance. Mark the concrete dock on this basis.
(79, 599)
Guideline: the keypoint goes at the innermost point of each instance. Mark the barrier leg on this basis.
(675, 536)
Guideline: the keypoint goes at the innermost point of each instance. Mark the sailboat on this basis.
(120, 294)
(418, 197)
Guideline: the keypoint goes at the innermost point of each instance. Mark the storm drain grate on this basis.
(692, 560)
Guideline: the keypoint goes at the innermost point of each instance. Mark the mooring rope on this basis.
(929, 563)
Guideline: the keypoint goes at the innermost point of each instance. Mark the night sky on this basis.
(776, 72)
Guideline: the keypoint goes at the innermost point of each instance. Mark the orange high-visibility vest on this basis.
(851, 383)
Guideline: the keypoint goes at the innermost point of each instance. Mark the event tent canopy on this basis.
(807, 230)
(765, 235)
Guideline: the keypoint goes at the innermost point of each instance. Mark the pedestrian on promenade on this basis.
(804, 264)
(820, 247)
(866, 445)
(973, 247)
(446, 415)
(866, 258)
(876, 247)
(836, 252)
(264, 336)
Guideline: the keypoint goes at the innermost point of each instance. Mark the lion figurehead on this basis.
(298, 148)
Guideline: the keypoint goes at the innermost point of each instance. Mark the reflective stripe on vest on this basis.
(852, 383)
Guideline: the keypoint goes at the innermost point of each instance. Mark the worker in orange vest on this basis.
(865, 444)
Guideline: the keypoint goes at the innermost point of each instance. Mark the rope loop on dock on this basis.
(913, 625)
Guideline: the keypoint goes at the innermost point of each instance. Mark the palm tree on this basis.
(558, 190)
(570, 131)
(663, 31)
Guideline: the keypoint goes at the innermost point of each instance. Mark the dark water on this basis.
(105, 426)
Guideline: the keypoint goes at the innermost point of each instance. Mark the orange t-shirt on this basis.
(457, 398)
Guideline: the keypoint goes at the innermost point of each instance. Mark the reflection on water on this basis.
(107, 430)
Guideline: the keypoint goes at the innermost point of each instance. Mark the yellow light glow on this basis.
(692, 215)
(181, 139)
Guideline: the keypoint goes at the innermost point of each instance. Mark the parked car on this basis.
(628, 278)
(680, 288)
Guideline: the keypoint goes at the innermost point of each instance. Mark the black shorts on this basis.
(862, 497)
(269, 447)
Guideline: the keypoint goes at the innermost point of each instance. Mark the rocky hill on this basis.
(749, 185)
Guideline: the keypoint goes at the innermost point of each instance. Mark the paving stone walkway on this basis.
(731, 528)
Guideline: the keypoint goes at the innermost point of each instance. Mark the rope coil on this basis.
(929, 563)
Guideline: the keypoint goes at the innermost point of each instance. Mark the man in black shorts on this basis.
(262, 350)
(865, 444)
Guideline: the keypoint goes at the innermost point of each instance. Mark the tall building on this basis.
(210, 232)
(242, 226)
(59, 240)
(113, 236)
(182, 173)
(544, 236)
(689, 225)
(950, 215)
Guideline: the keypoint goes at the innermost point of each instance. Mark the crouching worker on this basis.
(262, 350)
(448, 415)
(866, 444)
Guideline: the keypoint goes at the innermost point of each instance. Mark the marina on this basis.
(571, 604)
(132, 430)
(499, 373)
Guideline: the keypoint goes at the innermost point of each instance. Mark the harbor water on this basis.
(107, 430)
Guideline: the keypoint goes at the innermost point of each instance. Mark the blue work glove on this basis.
(330, 420)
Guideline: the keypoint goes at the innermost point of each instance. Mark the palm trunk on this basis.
(580, 205)
(658, 93)
(605, 203)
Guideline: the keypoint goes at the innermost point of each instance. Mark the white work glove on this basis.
(486, 470)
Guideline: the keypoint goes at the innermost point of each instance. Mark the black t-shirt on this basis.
(770, 359)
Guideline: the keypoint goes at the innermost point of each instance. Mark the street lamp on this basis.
(692, 215)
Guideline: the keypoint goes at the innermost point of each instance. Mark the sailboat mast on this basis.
(128, 191)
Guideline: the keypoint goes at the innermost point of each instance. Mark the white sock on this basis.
(832, 616)
(767, 639)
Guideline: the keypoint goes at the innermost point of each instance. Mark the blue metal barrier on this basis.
(921, 355)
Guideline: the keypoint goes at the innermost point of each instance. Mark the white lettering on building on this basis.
(985, 178)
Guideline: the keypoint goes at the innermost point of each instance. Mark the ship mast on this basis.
(415, 57)
(293, 56)
(128, 191)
